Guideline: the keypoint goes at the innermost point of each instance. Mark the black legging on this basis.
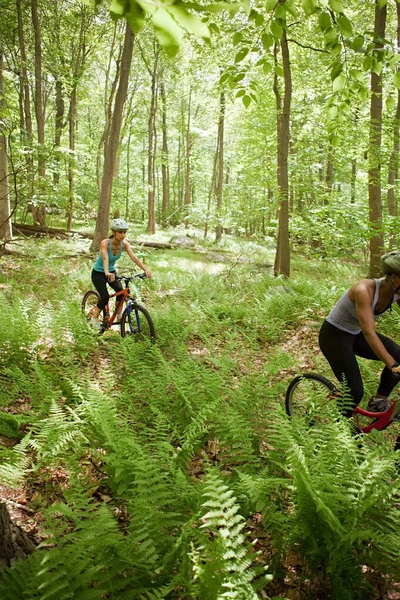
(341, 348)
(100, 282)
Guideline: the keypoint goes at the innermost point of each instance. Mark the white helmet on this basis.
(119, 224)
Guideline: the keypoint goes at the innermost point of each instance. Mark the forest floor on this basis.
(302, 343)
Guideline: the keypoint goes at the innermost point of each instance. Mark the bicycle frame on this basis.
(124, 293)
(381, 419)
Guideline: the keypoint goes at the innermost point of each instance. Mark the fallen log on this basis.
(25, 229)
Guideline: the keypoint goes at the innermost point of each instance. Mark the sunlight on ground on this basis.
(184, 264)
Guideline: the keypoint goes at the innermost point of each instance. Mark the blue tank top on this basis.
(112, 259)
(343, 314)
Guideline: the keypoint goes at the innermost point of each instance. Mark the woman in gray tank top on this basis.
(349, 331)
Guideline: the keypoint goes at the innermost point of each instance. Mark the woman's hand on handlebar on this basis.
(110, 276)
(396, 370)
(147, 273)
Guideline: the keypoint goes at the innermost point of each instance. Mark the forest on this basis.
(253, 148)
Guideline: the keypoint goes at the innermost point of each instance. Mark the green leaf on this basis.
(237, 38)
(117, 7)
(345, 27)
(336, 70)
(332, 112)
(336, 6)
(259, 21)
(396, 80)
(367, 63)
(336, 49)
(280, 12)
(240, 93)
(357, 74)
(167, 31)
(267, 41)
(290, 6)
(270, 5)
(308, 6)
(278, 70)
(330, 35)
(267, 68)
(334, 140)
(192, 23)
(377, 67)
(276, 30)
(382, 3)
(246, 101)
(358, 43)
(390, 103)
(324, 21)
(339, 83)
(241, 54)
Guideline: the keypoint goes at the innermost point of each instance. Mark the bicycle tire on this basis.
(307, 395)
(90, 300)
(137, 323)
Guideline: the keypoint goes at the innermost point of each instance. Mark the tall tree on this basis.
(376, 245)
(151, 158)
(220, 180)
(39, 211)
(166, 200)
(394, 156)
(103, 217)
(282, 257)
(188, 152)
(5, 217)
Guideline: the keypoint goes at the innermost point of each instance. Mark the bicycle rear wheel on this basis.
(308, 396)
(90, 300)
(136, 323)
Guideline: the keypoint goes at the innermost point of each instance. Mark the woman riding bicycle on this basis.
(104, 268)
(349, 331)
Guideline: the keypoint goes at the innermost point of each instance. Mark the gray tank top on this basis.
(343, 314)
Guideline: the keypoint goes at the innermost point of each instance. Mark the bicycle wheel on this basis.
(136, 322)
(90, 300)
(308, 395)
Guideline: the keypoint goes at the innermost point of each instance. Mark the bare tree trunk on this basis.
(187, 165)
(151, 157)
(166, 200)
(376, 244)
(59, 124)
(5, 217)
(14, 543)
(329, 173)
(220, 182)
(40, 211)
(282, 258)
(108, 103)
(394, 156)
(103, 217)
(211, 190)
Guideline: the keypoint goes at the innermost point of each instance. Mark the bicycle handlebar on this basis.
(131, 277)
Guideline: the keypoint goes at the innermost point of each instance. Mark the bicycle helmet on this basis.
(119, 225)
(390, 262)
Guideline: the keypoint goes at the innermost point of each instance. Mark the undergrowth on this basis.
(147, 463)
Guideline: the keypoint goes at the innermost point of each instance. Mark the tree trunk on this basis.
(103, 217)
(220, 181)
(14, 543)
(187, 165)
(5, 217)
(282, 258)
(329, 174)
(376, 244)
(394, 156)
(166, 200)
(59, 124)
(151, 157)
(211, 190)
(39, 212)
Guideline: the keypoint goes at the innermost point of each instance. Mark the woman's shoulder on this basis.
(363, 288)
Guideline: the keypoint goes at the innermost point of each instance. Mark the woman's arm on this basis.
(104, 256)
(135, 259)
(362, 299)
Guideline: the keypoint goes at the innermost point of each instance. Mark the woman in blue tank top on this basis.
(349, 331)
(104, 268)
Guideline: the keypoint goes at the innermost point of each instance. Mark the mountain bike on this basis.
(135, 320)
(308, 395)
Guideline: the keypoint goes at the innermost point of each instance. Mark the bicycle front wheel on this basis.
(308, 396)
(136, 322)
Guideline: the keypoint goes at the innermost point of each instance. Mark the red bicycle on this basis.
(135, 320)
(308, 394)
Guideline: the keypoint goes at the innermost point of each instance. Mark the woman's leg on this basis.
(100, 283)
(337, 347)
(387, 381)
